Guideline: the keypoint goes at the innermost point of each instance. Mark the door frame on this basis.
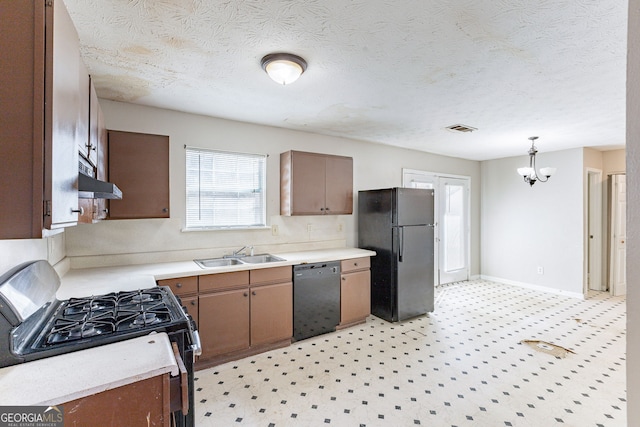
(435, 177)
(593, 279)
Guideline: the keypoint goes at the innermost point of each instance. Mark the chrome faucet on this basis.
(239, 251)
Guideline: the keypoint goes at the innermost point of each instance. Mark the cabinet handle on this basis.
(79, 211)
(193, 303)
(246, 294)
(165, 210)
(253, 293)
(355, 264)
(178, 285)
(322, 209)
(327, 209)
(344, 278)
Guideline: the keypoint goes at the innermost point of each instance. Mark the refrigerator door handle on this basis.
(400, 243)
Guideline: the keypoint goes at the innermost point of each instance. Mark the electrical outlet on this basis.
(339, 228)
(274, 230)
(540, 270)
(309, 228)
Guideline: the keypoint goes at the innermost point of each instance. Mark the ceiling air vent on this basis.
(460, 128)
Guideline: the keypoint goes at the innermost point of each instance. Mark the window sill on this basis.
(239, 228)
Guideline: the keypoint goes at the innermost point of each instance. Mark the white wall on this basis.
(15, 252)
(633, 214)
(524, 227)
(139, 241)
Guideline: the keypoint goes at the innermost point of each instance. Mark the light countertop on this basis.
(82, 373)
(59, 379)
(102, 280)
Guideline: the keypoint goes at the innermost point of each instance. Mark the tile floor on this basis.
(462, 365)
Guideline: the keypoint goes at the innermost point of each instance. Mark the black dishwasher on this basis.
(316, 299)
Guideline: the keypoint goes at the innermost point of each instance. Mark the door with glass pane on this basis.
(453, 230)
(451, 244)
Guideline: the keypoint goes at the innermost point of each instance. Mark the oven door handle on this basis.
(184, 380)
(196, 346)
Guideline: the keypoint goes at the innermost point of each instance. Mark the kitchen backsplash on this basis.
(130, 242)
(52, 249)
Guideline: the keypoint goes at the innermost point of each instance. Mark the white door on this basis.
(594, 231)
(451, 246)
(618, 275)
(454, 229)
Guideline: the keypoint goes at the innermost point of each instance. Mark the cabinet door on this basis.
(307, 187)
(142, 403)
(339, 185)
(100, 141)
(224, 322)
(271, 313)
(94, 123)
(192, 307)
(355, 296)
(139, 165)
(65, 122)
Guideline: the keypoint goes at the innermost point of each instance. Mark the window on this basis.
(225, 190)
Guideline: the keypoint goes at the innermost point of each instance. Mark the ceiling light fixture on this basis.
(283, 68)
(529, 174)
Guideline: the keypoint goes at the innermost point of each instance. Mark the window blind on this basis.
(224, 189)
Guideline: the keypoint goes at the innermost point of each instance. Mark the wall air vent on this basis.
(460, 128)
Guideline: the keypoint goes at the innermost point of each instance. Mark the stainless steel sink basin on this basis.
(229, 260)
(261, 258)
(217, 262)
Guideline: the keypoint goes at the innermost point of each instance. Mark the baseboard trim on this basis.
(534, 287)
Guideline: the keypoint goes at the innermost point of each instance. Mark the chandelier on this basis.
(529, 173)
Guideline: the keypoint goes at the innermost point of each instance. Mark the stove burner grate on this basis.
(66, 330)
(121, 313)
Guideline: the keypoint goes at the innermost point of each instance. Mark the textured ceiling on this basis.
(395, 72)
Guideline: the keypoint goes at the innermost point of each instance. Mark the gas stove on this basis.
(94, 320)
(35, 325)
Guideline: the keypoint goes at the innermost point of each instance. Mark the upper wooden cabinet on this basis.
(94, 150)
(42, 121)
(139, 164)
(315, 184)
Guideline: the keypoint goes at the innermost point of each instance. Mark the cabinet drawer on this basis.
(354, 264)
(181, 285)
(212, 282)
(270, 275)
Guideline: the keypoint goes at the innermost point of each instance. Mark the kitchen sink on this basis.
(217, 262)
(259, 259)
(237, 260)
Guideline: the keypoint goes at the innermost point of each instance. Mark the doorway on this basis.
(451, 245)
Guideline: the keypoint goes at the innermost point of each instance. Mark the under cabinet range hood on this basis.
(91, 188)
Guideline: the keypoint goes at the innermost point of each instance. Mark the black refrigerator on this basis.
(397, 223)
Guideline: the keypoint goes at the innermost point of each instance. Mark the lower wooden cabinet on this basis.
(355, 296)
(271, 313)
(224, 322)
(355, 291)
(242, 313)
(193, 306)
(142, 403)
(245, 312)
